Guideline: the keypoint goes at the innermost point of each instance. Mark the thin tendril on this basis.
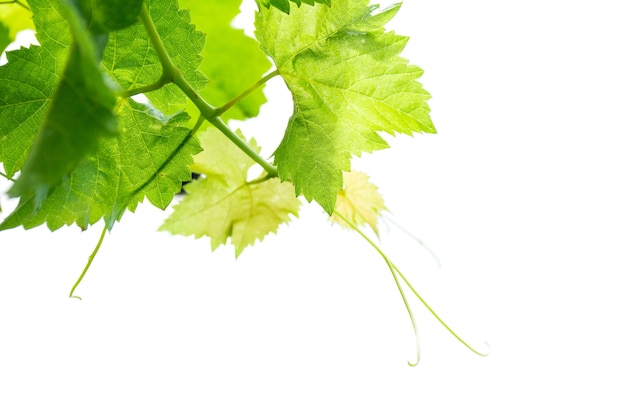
(197, 126)
(408, 308)
(416, 239)
(91, 258)
(393, 268)
(439, 319)
(234, 101)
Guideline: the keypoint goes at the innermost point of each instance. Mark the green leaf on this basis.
(15, 18)
(348, 84)
(131, 60)
(224, 205)
(110, 15)
(28, 82)
(229, 73)
(80, 113)
(285, 7)
(149, 157)
(5, 39)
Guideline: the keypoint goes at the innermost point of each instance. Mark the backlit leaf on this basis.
(224, 205)
(233, 61)
(284, 5)
(15, 18)
(149, 157)
(348, 84)
(80, 111)
(359, 201)
(131, 60)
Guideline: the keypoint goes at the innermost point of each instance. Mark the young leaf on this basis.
(131, 60)
(149, 157)
(359, 202)
(348, 83)
(223, 204)
(233, 61)
(80, 112)
(284, 6)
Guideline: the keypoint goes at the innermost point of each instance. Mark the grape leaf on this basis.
(27, 84)
(223, 204)
(131, 60)
(5, 39)
(110, 15)
(348, 83)
(80, 112)
(359, 201)
(149, 157)
(284, 5)
(235, 60)
(15, 18)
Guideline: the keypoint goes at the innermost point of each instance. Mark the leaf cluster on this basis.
(81, 148)
(122, 100)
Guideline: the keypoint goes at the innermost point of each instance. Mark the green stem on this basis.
(146, 88)
(259, 180)
(172, 74)
(241, 144)
(2, 174)
(197, 126)
(261, 82)
(91, 258)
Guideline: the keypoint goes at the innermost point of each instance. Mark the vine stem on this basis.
(146, 88)
(256, 85)
(89, 261)
(2, 174)
(172, 74)
(394, 269)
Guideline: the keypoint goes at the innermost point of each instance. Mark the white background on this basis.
(520, 195)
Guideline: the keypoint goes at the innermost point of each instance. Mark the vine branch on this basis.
(2, 174)
(146, 88)
(172, 74)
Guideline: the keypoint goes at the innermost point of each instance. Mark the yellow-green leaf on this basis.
(348, 84)
(224, 205)
(359, 201)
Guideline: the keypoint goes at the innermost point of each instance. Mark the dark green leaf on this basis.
(28, 82)
(80, 114)
(150, 157)
(5, 39)
(105, 16)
